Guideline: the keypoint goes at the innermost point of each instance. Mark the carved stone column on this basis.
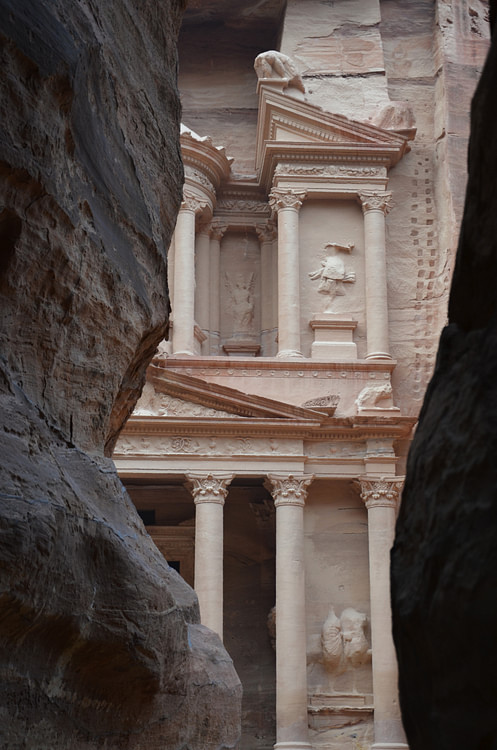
(289, 493)
(202, 286)
(209, 492)
(184, 276)
(217, 232)
(375, 206)
(381, 497)
(287, 203)
(266, 234)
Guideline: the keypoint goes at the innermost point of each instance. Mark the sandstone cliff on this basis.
(99, 641)
(444, 561)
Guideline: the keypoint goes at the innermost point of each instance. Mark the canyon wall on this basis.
(444, 559)
(99, 639)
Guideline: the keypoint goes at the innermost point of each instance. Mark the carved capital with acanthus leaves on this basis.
(279, 199)
(218, 230)
(209, 488)
(383, 492)
(289, 489)
(376, 201)
(266, 232)
(190, 202)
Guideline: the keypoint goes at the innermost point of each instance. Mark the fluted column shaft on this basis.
(184, 277)
(381, 497)
(375, 206)
(289, 493)
(202, 287)
(266, 234)
(209, 492)
(217, 232)
(287, 203)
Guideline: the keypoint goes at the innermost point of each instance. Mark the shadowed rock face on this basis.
(444, 561)
(99, 641)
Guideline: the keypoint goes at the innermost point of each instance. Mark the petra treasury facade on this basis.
(324, 147)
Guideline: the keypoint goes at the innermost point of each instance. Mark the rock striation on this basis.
(444, 561)
(99, 639)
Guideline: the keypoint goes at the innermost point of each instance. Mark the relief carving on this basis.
(328, 170)
(326, 402)
(241, 296)
(344, 642)
(273, 64)
(242, 206)
(197, 176)
(371, 395)
(333, 273)
(156, 404)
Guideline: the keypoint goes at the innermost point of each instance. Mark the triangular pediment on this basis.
(285, 119)
(171, 394)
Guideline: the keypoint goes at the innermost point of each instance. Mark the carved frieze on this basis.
(327, 402)
(197, 176)
(152, 403)
(241, 206)
(206, 446)
(328, 170)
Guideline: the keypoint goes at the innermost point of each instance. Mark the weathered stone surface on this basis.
(98, 639)
(444, 558)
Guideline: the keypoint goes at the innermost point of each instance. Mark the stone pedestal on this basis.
(333, 336)
(289, 494)
(241, 348)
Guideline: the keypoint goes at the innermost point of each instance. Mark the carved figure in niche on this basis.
(241, 292)
(273, 64)
(333, 273)
(371, 395)
(343, 640)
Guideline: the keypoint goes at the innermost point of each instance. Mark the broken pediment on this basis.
(172, 394)
(289, 128)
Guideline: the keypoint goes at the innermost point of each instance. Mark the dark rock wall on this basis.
(99, 645)
(444, 561)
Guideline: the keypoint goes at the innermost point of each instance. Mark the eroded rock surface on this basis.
(99, 645)
(444, 561)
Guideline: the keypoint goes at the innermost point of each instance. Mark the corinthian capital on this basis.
(266, 232)
(209, 488)
(218, 230)
(376, 201)
(381, 493)
(279, 199)
(192, 203)
(289, 489)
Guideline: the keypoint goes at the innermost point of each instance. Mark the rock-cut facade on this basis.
(308, 272)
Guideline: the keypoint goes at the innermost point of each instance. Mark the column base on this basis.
(289, 354)
(389, 746)
(379, 355)
(294, 746)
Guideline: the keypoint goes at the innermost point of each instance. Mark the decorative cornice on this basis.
(209, 488)
(376, 201)
(192, 203)
(279, 199)
(289, 489)
(383, 492)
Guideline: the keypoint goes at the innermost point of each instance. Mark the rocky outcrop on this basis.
(99, 641)
(444, 561)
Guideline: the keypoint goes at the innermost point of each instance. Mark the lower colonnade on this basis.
(289, 492)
